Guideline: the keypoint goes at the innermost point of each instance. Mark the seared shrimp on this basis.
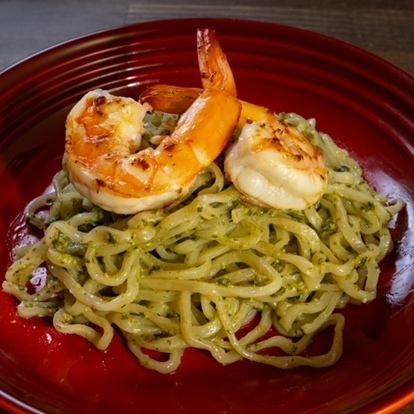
(274, 165)
(103, 134)
(271, 163)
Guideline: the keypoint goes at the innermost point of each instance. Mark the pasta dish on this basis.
(234, 259)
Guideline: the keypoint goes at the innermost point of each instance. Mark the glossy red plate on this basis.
(364, 102)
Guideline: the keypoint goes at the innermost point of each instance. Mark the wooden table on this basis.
(385, 27)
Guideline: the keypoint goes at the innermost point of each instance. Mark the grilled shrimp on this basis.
(103, 136)
(274, 165)
(271, 163)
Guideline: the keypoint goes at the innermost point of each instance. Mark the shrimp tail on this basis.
(214, 67)
(215, 71)
(171, 99)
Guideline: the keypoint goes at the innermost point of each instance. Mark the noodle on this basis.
(194, 274)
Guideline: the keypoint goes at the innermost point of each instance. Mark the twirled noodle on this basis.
(194, 274)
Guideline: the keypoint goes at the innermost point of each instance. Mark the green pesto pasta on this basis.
(195, 273)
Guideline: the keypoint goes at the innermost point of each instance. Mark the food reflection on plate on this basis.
(195, 219)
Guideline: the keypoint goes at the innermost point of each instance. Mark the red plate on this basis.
(364, 102)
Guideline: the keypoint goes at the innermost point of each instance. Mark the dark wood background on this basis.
(385, 27)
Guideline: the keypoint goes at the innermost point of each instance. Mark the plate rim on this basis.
(117, 29)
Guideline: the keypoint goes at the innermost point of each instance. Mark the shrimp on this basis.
(103, 136)
(177, 99)
(272, 164)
